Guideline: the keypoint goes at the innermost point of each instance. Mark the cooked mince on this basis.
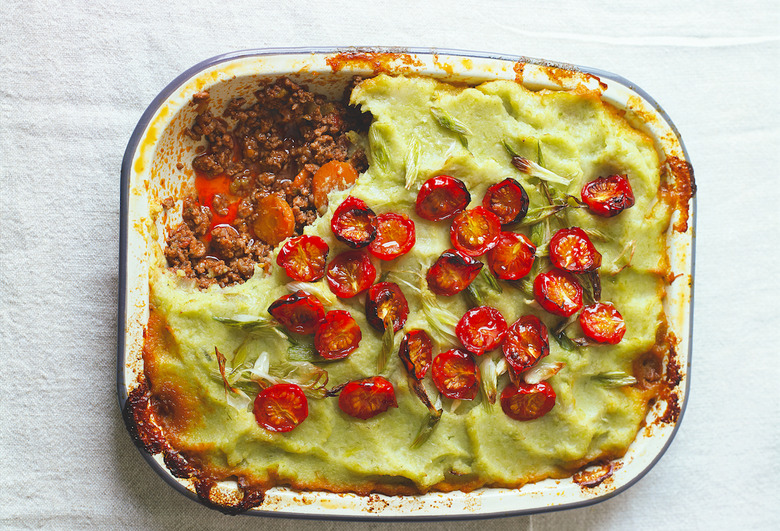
(273, 145)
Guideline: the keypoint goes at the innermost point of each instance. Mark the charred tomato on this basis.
(608, 196)
(281, 407)
(416, 352)
(512, 257)
(481, 329)
(558, 292)
(474, 232)
(527, 402)
(572, 250)
(304, 258)
(350, 273)
(602, 322)
(508, 200)
(354, 223)
(386, 303)
(337, 336)
(298, 312)
(452, 272)
(526, 342)
(455, 374)
(395, 236)
(367, 398)
(441, 197)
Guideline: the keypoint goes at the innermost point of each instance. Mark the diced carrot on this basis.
(276, 221)
(332, 176)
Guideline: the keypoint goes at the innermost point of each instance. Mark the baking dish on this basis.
(149, 174)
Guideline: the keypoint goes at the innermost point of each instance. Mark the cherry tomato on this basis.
(386, 301)
(337, 336)
(603, 323)
(572, 250)
(507, 200)
(303, 258)
(354, 223)
(331, 177)
(558, 292)
(526, 343)
(452, 272)
(350, 273)
(281, 407)
(512, 257)
(455, 374)
(416, 352)
(474, 232)
(527, 402)
(367, 398)
(481, 329)
(395, 236)
(608, 196)
(299, 312)
(442, 197)
(276, 220)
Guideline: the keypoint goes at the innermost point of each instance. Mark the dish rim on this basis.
(126, 170)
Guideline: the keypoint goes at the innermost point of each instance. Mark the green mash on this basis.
(423, 128)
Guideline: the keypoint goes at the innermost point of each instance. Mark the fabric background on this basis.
(75, 78)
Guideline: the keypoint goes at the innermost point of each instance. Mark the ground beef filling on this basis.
(272, 146)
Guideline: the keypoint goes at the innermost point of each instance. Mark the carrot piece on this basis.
(276, 221)
(332, 176)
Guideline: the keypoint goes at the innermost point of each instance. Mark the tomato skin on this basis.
(481, 329)
(304, 258)
(385, 300)
(452, 272)
(281, 407)
(455, 374)
(441, 197)
(527, 402)
(350, 273)
(474, 232)
(332, 176)
(416, 352)
(299, 312)
(367, 398)
(558, 292)
(572, 250)
(354, 223)
(608, 196)
(526, 342)
(513, 256)
(395, 236)
(508, 200)
(338, 335)
(602, 322)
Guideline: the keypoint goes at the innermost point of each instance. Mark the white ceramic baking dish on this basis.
(150, 173)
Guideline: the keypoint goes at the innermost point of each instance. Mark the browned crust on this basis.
(377, 62)
(678, 189)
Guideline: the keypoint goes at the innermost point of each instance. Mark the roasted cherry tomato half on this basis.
(416, 352)
(304, 258)
(332, 176)
(512, 257)
(337, 336)
(281, 407)
(507, 200)
(572, 250)
(527, 402)
(386, 303)
(299, 312)
(395, 236)
(481, 329)
(558, 292)
(350, 273)
(455, 374)
(367, 398)
(608, 196)
(474, 232)
(603, 323)
(276, 220)
(526, 342)
(452, 272)
(442, 197)
(354, 223)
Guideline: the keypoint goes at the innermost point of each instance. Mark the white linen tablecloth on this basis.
(75, 78)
